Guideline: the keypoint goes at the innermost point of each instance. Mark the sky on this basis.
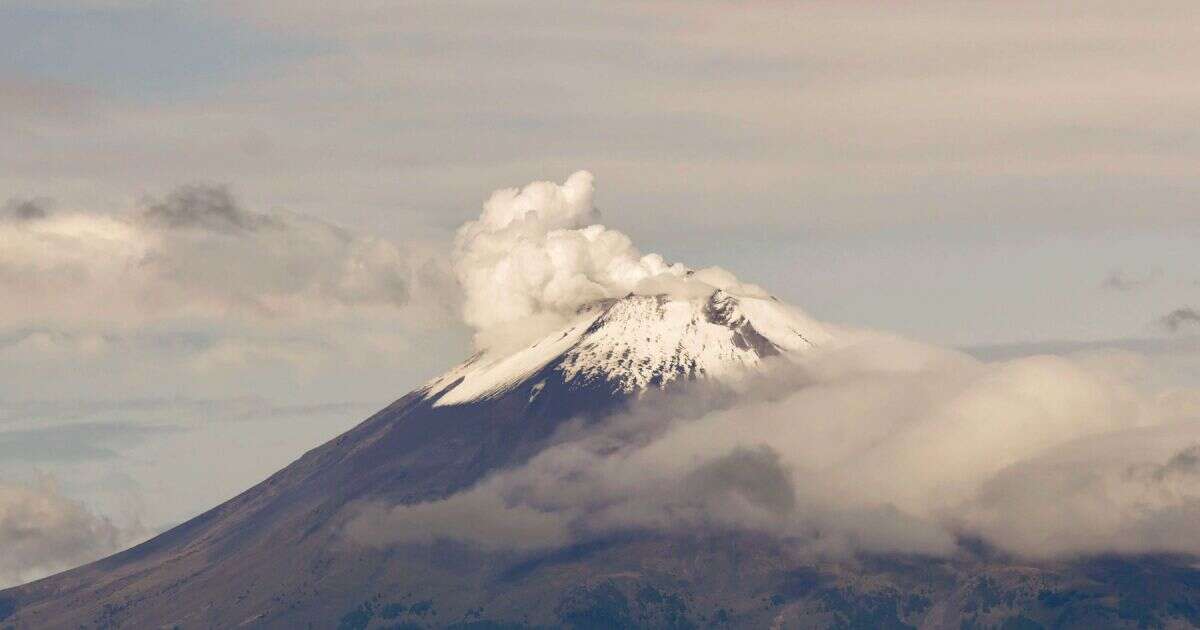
(226, 224)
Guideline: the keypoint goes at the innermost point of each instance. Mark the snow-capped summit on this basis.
(629, 344)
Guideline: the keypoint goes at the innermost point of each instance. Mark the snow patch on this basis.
(643, 341)
(485, 376)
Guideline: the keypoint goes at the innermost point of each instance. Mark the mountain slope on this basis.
(267, 550)
(277, 555)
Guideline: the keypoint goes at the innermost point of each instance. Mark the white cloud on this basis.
(877, 445)
(537, 254)
(195, 284)
(1106, 502)
(43, 532)
(197, 253)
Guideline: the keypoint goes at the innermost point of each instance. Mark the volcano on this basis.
(277, 556)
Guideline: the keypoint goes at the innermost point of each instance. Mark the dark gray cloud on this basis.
(28, 209)
(207, 206)
(1185, 462)
(1180, 319)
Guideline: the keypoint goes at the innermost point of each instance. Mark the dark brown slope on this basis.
(276, 551)
(272, 549)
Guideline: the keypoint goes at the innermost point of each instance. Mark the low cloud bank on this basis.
(875, 445)
(195, 287)
(199, 253)
(43, 532)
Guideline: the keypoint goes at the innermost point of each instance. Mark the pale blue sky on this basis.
(150, 51)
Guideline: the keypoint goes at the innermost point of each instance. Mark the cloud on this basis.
(481, 518)
(877, 444)
(1180, 319)
(87, 419)
(143, 465)
(202, 206)
(1118, 280)
(198, 252)
(537, 254)
(1107, 503)
(27, 209)
(198, 290)
(692, 103)
(197, 283)
(1147, 346)
(198, 295)
(43, 532)
(212, 250)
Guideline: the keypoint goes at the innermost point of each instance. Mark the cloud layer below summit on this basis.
(876, 444)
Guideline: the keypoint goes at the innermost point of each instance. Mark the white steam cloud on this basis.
(536, 254)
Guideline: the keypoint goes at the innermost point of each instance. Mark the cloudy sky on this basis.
(226, 225)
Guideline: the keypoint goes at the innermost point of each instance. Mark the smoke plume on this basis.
(537, 254)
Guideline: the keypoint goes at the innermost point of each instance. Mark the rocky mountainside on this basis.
(277, 556)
